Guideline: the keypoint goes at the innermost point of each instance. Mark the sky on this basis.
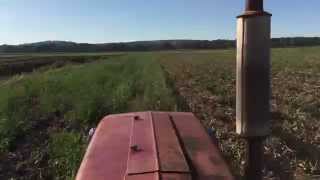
(101, 21)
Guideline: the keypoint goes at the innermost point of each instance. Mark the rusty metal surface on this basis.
(254, 5)
(143, 152)
(152, 146)
(204, 155)
(158, 176)
(253, 77)
(106, 155)
(254, 8)
(175, 176)
(253, 84)
(146, 176)
(249, 14)
(171, 157)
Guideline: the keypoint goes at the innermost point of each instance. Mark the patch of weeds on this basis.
(65, 153)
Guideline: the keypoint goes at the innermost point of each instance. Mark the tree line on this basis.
(64, 46)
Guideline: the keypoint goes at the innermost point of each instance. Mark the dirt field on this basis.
(206, 80)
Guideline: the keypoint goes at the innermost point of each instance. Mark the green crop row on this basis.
(62, 104)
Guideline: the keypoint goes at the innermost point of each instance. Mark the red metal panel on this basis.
(106, 156)
(205, 156)
(174, 176)
(171, 157)
(147, 176)
(125, 147)
(143, 152)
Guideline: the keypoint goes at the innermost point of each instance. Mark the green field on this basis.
(45, 115)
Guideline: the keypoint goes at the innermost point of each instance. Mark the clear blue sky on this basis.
(96, 21)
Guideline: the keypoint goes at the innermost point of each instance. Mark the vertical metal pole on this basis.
(254, 159)
(253, 83)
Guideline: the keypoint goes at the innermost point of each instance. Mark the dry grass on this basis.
(206, 80)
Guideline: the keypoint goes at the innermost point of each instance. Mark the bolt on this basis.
(135, 148)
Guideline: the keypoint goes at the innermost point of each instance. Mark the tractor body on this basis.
(152, 146)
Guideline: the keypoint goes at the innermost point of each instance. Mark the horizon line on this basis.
(132, 41)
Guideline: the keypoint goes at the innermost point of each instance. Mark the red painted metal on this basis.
(152, 146)
(143, 153)
(146, 176)
(172, 176)
(162, 176)
(106, 156)
(171, 157)
(205, 156)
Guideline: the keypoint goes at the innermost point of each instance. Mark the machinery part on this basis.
(253, 83)
(159, 145)
(254, 5)
(254, 156)
(253, 74)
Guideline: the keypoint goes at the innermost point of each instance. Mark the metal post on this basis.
(253, 83)
(254, 158)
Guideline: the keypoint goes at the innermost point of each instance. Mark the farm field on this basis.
(11, 64)
(206, 81)
(45, 115)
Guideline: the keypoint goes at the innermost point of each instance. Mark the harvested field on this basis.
(206, 80)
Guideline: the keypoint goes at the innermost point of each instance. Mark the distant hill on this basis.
(65, 46)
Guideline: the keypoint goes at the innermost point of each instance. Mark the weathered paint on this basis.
(254, 5)
(205, 157)
(171, 157)
(152, 146)
(253, 76)
(144, 159)
(146, 176)
(253, 83)
(172, 176)
(106, 156)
